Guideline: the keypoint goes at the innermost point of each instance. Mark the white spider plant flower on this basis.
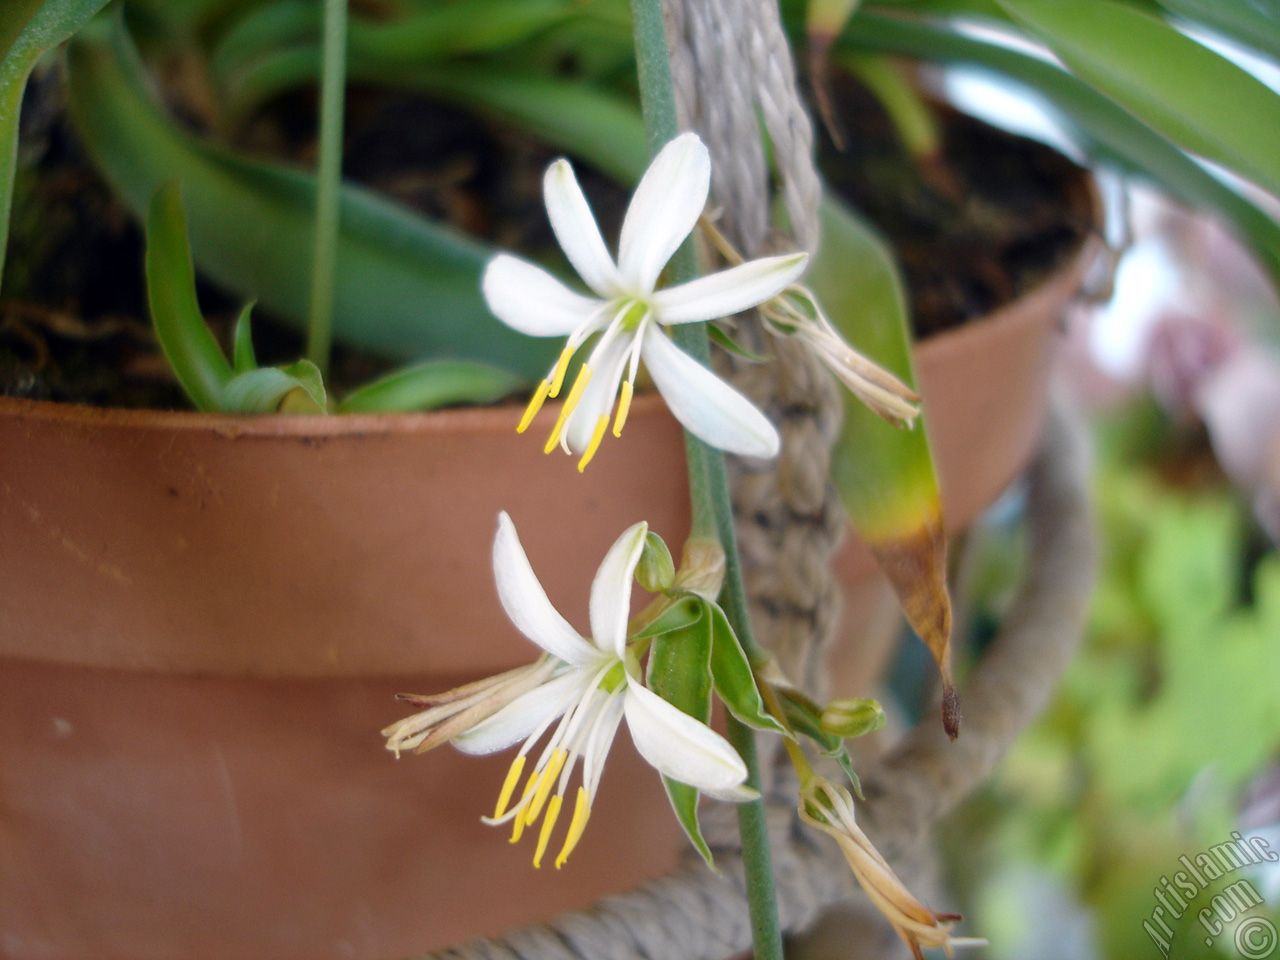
(588, 685)
(830, 809)
(630, 314)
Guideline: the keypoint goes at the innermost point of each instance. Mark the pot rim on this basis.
(498, 417)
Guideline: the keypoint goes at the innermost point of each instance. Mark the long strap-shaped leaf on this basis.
(885, 474)
(1198, 99)
(1108, 129)
(405, 287)
(1254, 23)
(27, 29)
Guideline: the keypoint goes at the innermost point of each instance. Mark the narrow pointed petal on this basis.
(666, 205)
(611, 591)
(527, 298)
(740, 793)
(678, 745)
(707, 407)
(526, 602)
(576, 229)
(597, 399)
(730, 291)
(521, 716)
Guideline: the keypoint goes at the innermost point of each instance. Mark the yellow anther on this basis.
(597, 435)
(509, 786)
(518, 827)
(549, 775)
(562, 367)
(581, 813)
(624, 407)
(534, 406)
(553, 811)
(579, 385)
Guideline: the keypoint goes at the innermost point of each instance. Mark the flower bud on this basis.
(656, 571)
(852, 718)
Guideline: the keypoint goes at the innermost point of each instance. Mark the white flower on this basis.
(631, 314)
(589, 686)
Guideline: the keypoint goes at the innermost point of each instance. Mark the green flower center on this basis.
(615, 678)
(635, 312)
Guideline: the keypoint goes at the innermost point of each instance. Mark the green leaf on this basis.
(721, 338)
(679, 671)
(311, 381)
(1198, 99)
(28, 28)
(405, 287)
(1109, 130)
(262, 31)
(886, 475)
(581, 120)
(1254, 23)
(267, 389)
(680, 615)
(190, 348)
(430, 385)
(243, 358)
(734, 680)
(414, 39)
(684, 801)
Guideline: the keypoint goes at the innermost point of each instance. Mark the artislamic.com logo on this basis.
(1254, 936)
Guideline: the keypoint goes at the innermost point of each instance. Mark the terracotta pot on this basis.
(203, 620)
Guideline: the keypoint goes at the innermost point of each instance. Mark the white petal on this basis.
(526, 602)
(597, 399)
(576, 229)
(527, 298)
(611, 591)
(728, 292)
(707, 406)
(678, 745)
(736, 794)
(521, 716)
(663, 210)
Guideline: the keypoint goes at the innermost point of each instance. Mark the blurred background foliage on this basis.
(1165, 733)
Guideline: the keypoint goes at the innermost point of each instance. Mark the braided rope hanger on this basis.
(732, 70)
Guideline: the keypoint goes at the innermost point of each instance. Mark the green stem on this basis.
(709, 487)
(333, 84)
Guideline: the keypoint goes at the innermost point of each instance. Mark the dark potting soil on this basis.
(73, 317)
(984, 223)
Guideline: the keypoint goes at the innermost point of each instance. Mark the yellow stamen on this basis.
(518, 827)
(562, 367)
(581, 812)
(624, 406)
(549, 775)
(534, 406)
(509, 786)
(579, 385)
(597, 435)
(553, 811)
